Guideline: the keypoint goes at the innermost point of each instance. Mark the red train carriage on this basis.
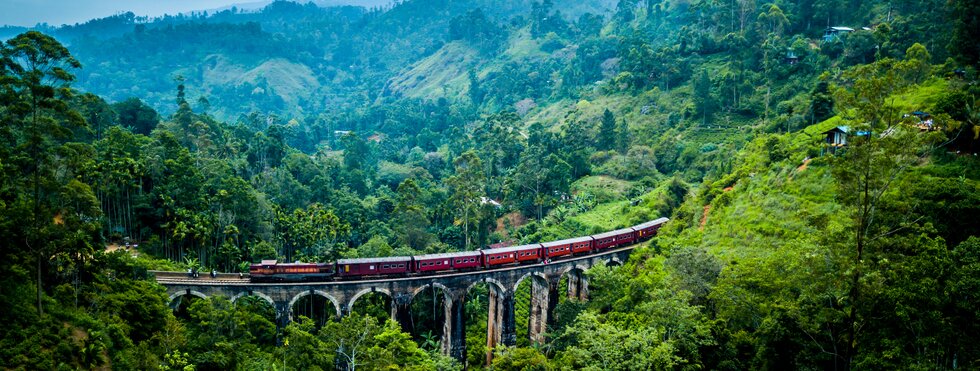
(271, 270)
(374, 266)
(467, 260)
(447, 261)
(567, 247)
(432, 263)
(515, 254)
(649, 229)
(613, 239)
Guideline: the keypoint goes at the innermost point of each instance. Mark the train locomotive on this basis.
(347, 269)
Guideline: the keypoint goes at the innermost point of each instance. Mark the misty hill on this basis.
(349, 51)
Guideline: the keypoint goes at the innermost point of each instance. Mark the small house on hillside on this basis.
(837, 137)
(835, 33)
(791, 57)
(490, 201)
(924, 119)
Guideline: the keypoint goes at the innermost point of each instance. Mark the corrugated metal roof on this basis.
(448, 255)
(651, 223)
(375, 260)
(513, 248)
(612, 233)
(567, 241)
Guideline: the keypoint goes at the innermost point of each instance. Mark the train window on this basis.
(371, 267)
(384, 266)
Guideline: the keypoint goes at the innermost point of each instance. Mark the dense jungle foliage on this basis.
(303, 133)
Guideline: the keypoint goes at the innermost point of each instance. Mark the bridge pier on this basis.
(495, 320)
(508, 326)
(501, 328)
(401, 311)
(538, 316)
(553, 295)
(284, 314)
(454, 328)
(578, 286)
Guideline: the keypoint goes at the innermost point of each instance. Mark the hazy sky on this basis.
(58, 12)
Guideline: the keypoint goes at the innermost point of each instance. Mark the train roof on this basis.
(613, 233)
(277, 263)
(447, 255)
(513, 248)
(567, 241)
(651, 223)
(389, 259)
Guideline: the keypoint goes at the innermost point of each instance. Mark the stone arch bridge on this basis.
(503, 283)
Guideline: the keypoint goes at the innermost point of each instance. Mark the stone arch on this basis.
(336, 304)
(445, 290)
(614, 261)
(529, 274)
(570, 268)
(576, 282)
(359, 294)
(253, 293)
(492, 282)
(186, 292)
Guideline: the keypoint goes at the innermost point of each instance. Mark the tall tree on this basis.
(410, 216)
(37, 75)
(467, 190)
(607, 131)
(539, 179)
(966, 31)
(881, 148)
(136, 115)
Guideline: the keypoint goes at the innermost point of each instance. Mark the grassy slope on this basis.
(772, 204)
(441, 74)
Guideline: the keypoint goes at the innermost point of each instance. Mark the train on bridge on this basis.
(273, 271)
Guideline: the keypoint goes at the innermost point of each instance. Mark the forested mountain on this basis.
(308, 133)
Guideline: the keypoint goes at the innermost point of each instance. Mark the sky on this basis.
(58, 12)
